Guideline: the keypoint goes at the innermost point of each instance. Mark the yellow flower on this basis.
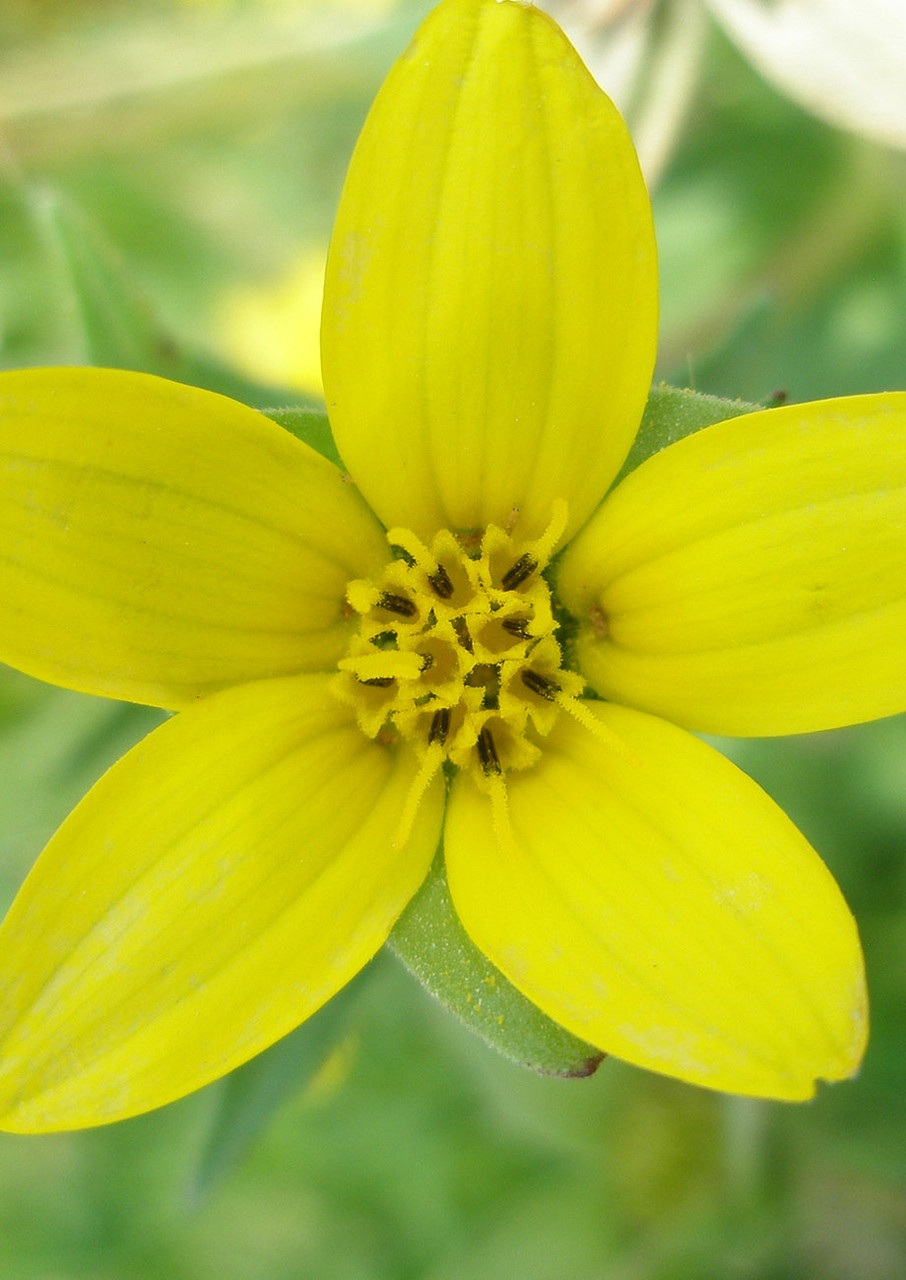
(488, 341)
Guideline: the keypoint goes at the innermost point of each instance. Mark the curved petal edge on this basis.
(751, 579)
(490, 306)
(158, 542)
(657, 903)
(216, 887)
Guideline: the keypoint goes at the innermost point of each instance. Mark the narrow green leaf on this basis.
(119, 325)
(433, 945)
(250, 1095)
(54, 744)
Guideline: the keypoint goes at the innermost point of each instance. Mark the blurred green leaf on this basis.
(119, 326)
(250, 1095)
(55, 745)
(434, 946)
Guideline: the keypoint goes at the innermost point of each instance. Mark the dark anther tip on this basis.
(440, 726)
(524, 567)
(397, 604)
(540, 684)
(487, 752)
(440, 581)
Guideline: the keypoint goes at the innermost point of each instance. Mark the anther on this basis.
(524, 567)
(397, 604)
(500, 815)
(440, 726)
(487, 752)
(379, 682)
(540, 684)
(516, 626)
(440, 581)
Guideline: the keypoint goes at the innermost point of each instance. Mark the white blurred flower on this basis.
(844, 60)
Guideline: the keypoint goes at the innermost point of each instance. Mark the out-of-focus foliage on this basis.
(191, 155)
(842, 61)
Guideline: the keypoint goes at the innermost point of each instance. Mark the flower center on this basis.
(456, 652)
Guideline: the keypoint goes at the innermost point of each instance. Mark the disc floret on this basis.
(456, 652)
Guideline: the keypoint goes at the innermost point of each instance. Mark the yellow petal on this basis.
(658, 904)
(751, 579)
(220, 883)
(158, 542)
(490, 305)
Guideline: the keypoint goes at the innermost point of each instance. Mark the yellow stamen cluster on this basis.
(455, 652)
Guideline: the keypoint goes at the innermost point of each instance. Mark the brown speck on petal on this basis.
(598, 620)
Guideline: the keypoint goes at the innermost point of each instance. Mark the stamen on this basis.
(543, 548)
(419, 554)
(397, 604)
(500, 815)
(431, 762)
(518, 573)
(440, 726)
(487, 753)
(445, 646)
(540, 684)
(381, 666)
(579, 711)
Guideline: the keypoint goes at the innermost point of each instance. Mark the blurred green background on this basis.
(168, 176)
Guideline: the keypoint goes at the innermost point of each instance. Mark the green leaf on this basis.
(119, 326)
(310, 426)
(250, 1095)
(674, 412)
(670, 414)
(434, 946)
